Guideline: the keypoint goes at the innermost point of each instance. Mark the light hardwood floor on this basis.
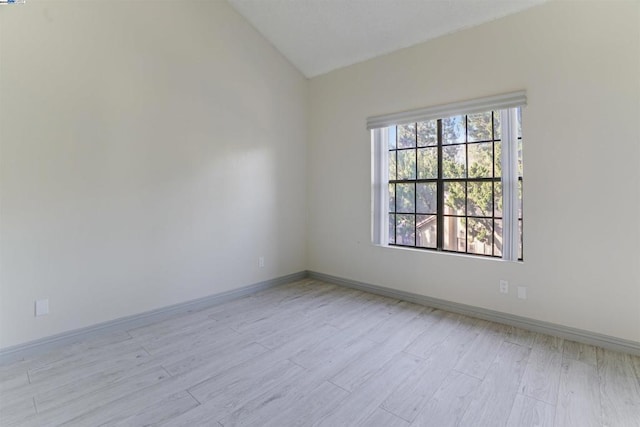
(312, 353)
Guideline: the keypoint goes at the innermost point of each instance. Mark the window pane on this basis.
(392, 229)
(454, 234)
(520, 157)
(426, 226)
(497, 199)
(521, 239)
(454, 198)
(498, 158)
(427, 163)
(453, 161)
(480, 160)
(392, 137)
(519, 120)
(407, 164)
(427, 133)
(520, 199)
(480, 235)
(405, 230)
(497, 238)
(479, 127)
(405, 198)
(392, 197)
(427, 197)
(479, 198)
(407, 136)
(392, 165)
(453, 131)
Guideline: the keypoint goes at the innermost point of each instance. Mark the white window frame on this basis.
(507, 104)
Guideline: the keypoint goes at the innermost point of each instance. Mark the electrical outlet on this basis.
(522, 292)
(261, 261)
(42, 307)
(504, 287)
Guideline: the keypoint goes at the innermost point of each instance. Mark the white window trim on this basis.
(510, 241)
(506, 104)
(380, 180)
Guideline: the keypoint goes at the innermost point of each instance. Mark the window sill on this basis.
(446, 253)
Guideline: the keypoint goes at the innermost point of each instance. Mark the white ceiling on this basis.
(318, 36)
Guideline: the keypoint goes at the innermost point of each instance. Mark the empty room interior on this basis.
(320, 212)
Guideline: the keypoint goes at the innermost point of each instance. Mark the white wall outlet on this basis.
(504, 287)
(261, 261)
(42, 307)
(522, 292)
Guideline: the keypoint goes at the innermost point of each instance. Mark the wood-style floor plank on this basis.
(579, 396)
(308, 406)
(412, 394)
(484, 349)
(14, 380)
(444, 323)
(619, 389)
(13, 388)
(311, 353)
(382, 418)
(269, 402)
(56, 393)
(449, 402)
(16, 410)
(529, 412)
(99, 400)
(635, 361)
(542, 375)
(154, 414)
(135, 413)
(359, 405)
(181, 362)
(493, 400)
(520, 336)
(407, 312)
(99, 342)
(578, 351)
(322, 352)
(548, 342)
(363, 368)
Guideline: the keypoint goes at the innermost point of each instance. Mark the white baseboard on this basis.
(42, 345)
(579, 335)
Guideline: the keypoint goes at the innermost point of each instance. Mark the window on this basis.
(451, 182)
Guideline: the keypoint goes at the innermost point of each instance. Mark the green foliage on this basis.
(478, 200)
(406, 135)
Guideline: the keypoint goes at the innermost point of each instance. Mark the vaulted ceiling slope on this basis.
(319, 36)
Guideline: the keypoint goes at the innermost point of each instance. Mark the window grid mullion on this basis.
(466, 184)
(395, 192)
(440, 193)
(493, 187)
(415, 193)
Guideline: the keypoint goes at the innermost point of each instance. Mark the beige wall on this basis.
(150, 151)
(580, 65)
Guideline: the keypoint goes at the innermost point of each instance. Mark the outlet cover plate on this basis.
(522, 292)
(42, 307)
(504, 287)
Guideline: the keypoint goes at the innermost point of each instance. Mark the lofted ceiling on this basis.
(318, 36)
